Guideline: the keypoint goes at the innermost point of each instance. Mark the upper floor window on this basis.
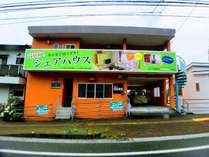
(64, 46)
(70, 46)
(3, 59)
(197, 85)
(19, 60)
(57, 46)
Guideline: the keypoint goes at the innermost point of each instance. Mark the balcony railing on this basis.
(12, 70)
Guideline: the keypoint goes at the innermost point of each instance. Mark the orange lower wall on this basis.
(98, 108)
(39, 92)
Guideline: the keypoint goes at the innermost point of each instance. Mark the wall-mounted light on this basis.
(49, 40)
(91, 78)
(120, 76)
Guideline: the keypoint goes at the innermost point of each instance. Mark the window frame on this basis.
(86, 83)
(56, 87)
(18, 90)
(59, 46)
(20, 58)
(197, 86)
(157, 93)
(70, 44)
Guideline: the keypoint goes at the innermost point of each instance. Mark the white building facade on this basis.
(196, 90)
(12, 77)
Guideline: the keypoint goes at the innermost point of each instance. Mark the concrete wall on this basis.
(189, 91)
(200, 99)
(8, 83)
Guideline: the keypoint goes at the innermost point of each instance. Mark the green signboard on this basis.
(100, 60)
(58, 59)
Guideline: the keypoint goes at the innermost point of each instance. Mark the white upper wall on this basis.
(189, 91)
(12, 55)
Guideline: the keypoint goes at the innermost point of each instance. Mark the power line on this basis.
(49, 18)
(186, 19)
(103, 3)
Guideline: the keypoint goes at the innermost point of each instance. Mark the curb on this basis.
(86, 141)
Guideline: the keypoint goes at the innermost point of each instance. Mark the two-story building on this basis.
(12, 79)
(91, 70)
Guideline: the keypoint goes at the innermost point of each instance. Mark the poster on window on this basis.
(100, 60)
(116, 106)
(42, 109)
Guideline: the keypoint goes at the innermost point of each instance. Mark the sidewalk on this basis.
(130, 128)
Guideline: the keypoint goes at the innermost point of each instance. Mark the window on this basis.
(157, 92)
(55, 85)
(19, 60)
(70, 46)
(108, 91)
(197, 85)
(90, 90)
(82, 90)
(94, 90)
(18, 93)
(3, 59)
(57, 46)
(99, 90)
(118, 88)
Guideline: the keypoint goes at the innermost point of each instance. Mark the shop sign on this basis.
(42, 109)
(59, 59)
(100, 60)
(116, 106)
(118, 88)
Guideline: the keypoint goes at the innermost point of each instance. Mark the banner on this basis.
(100, 60)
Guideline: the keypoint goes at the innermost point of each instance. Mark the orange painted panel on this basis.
(98, 108)
(39, 92)
(172, 92)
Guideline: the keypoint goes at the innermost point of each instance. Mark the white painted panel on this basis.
(11, 80)
(4, 92)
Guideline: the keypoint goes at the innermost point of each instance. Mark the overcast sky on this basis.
(192, 34)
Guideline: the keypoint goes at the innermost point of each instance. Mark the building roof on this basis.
(106, 34)
(198, 64)
(10, 47)
(199, 68)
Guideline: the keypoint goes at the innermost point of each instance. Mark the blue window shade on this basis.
(55, 85)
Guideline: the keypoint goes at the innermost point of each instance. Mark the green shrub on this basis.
(13, 111)
(103, 133)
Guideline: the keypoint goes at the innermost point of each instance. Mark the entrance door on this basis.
(68, 92)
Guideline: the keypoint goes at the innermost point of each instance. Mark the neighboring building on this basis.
(196, 91)
(12, 79)
(88, 70)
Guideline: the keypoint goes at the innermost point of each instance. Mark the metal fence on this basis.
(97, 109)
(196, 106)
(39, 111)
(11, 70)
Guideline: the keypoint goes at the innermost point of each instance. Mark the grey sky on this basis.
(191, 41)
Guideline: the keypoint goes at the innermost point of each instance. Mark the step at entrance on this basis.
(63, 113)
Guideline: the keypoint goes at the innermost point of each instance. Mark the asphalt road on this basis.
(173, 148)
